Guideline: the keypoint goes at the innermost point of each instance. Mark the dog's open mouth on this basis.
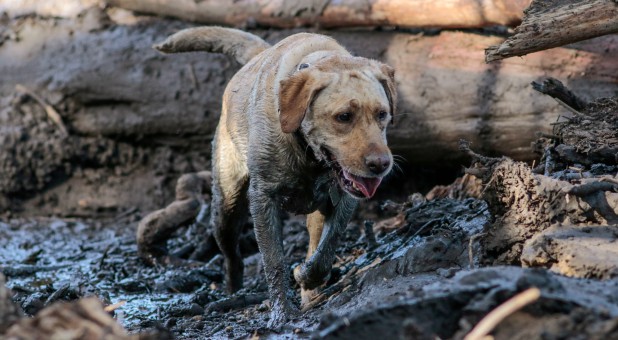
(357, 186)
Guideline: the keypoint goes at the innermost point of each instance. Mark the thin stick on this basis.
(549, 164)
(510, 306)
(51, 112)
(114, 306)
(566, 106)
(470, 251)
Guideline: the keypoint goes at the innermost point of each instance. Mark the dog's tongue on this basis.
(366, 184)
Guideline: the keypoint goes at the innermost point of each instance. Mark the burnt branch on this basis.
(555, 89)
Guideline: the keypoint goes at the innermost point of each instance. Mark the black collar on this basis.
(334, 191)
(307, 150)
(300, 139)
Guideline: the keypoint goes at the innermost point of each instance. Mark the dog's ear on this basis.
(387, 79)
(296, 94)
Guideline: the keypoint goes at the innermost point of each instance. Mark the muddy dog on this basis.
(302, 129)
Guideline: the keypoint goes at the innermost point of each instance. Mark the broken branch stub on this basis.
(549, 24)
(153, 230)
(555, 89)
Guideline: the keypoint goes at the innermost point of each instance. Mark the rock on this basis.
(449, 308)
(576, 251)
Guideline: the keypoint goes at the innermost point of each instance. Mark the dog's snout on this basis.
(378, 163)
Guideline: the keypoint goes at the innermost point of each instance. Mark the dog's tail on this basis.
(241, 45)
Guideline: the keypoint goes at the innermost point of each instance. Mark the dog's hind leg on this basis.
(312, 273)
(229, 206)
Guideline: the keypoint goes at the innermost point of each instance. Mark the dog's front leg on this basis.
(312, 273)
(268, 232)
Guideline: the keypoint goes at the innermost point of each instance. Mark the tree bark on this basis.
(333, 14)
(549, 24)
(446, 90)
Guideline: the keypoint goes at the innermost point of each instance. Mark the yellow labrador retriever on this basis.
(302, 129)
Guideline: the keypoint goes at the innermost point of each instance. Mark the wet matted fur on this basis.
(302, 129)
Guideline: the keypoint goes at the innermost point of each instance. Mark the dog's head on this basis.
(342, 106)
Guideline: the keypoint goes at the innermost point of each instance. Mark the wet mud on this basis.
(416, 280)
(50, 260)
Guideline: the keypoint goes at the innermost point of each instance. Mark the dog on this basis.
(303, 130)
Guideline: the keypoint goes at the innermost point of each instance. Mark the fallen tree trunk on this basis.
(333, 14)
(48, 8)
(137, 119)
(446, 90)
(549, 24)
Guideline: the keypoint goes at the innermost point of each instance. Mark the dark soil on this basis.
(414, 283)
(50, 260)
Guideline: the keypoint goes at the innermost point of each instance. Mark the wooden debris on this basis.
(335, 14)
(549, 24)
(154, 229)
(592, 188)
(114, 306)
(584, 251)
(555, 89)
(512, 305)
(470, 251)
(236, 302)
(49, 110)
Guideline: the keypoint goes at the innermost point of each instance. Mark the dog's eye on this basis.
(302, 66)
(344, 117)
(382, 115)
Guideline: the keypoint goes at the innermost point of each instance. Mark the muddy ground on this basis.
(415, 281)
(70, 202)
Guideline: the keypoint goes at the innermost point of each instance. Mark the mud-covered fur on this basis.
(302, 129)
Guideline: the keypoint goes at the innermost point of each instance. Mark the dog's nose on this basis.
(377, 163)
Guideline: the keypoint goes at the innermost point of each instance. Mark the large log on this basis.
(137, 119)
(47, 8)
(332, 14)
(446, 90)
(549, 24)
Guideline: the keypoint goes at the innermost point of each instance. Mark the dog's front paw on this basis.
(310, 280)
(280, 313)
